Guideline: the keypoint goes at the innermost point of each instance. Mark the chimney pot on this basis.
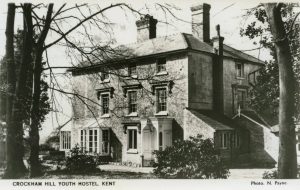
(146, 28)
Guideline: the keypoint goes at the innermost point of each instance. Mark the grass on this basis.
(62, 174)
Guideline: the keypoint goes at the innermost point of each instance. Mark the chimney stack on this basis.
(146, 28)
(201, 22)
(217, 43)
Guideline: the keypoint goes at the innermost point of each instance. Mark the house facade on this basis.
(160, 89)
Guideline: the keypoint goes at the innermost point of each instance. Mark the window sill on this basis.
(161, 113)
(240, 78)
(105, 81)
(161, 73)
(131, 77)
(105, 116)
(134, 114)
(132, 151)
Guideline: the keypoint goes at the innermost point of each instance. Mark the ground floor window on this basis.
(229, 140)
(93, 140)
(132, 138)
(235, 139)
(224, 140)
(65, 137)
(105, 141)
(160, 140)
(83, 140)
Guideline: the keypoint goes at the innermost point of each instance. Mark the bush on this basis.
(195, 158)
(80, 162)
(270, 174)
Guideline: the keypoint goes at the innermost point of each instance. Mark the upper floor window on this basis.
(161, 65)
(105, 103)
(241, 99)
(104, 76)
(161, 94)
(132, 101)
(132, 70)
(240, 70)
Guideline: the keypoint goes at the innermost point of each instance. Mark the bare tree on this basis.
(15, 165)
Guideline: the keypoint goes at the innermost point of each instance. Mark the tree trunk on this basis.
(287, 161)
(19, 107)
(35, 168)
(15, 166)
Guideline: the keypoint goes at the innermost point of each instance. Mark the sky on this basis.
(227, 13)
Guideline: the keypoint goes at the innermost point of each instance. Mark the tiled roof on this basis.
(215, 124)
(179, 41)
(165, 44)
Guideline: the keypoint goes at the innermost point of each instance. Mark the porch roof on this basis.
(212, 119)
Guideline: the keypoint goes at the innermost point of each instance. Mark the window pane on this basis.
(161, 100)
(132, 70)
(135, 139)
(132, 96)
(105, 103)
(130, 138)
(161, 65)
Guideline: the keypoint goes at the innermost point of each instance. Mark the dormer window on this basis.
(161, 65)
(240, 70)
(104, 76)
(132, 70)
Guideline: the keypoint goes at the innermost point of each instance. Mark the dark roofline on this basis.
(185, 50)
(115, 62)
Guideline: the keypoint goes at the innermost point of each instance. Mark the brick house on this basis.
(160, 89)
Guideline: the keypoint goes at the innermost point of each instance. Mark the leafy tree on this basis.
(264, 96)
(195, 158)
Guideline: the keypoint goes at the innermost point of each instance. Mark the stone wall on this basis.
(194, 126)
(200, 81)
(230, 78)
(263, 145)
(177, 69)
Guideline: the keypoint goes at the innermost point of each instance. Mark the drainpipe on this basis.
(218, 74)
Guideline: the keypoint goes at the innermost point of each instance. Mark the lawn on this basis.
(93, 175)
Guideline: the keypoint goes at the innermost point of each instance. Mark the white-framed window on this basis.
(132, 102)
(161, 65)
(161, 100)
(224, 140)
(93, 140)
(83, 140)
(132, 71)
(239, 70)
(65, 142)
(104, 104)
(132, 138)
(105, 141)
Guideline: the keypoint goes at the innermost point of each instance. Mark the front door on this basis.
(148, 146)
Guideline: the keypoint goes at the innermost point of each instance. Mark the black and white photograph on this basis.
(96, 93)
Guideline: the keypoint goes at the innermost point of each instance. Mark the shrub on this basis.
(80, 162)
(270, 174)
(195, 158)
